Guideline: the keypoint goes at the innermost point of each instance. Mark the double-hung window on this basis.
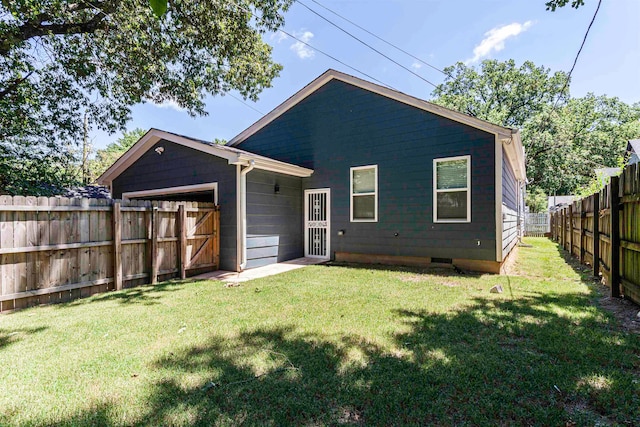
(452, 189)
(364, 194)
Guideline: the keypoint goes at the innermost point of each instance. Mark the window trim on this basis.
(374, 193)
(436, 191)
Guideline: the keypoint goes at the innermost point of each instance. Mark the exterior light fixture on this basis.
(159, 150)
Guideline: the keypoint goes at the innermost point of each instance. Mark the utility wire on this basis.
(336, 59)
(575, 61)
(366, 44)
(566, 83)
(316, 49)
(379, 38)
(245, 103)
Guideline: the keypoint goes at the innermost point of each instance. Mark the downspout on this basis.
(243, 212)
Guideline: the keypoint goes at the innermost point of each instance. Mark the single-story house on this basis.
(348, 170)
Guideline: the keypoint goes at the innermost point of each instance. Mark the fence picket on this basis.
(49, 256)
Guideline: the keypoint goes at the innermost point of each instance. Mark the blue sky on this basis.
(441, 32)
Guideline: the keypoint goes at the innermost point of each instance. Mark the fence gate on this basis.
(58, 249)
(537, 224)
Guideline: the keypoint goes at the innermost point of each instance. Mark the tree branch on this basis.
(37, 27)
(13, 85)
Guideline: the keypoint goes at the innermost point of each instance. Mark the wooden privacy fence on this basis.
(603, 230)
(58, 249)
(536, 224)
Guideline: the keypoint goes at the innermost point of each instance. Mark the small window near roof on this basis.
(364, 194)
(452, 189)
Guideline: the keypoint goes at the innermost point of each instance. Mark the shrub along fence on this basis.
(58, 249)
(603, 230)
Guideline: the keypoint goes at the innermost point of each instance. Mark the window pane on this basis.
(364, 181)
(452, 174)
(452, 205)
(364, 207)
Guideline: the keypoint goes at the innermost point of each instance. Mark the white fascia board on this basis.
(515, 155)
(148, 141)
(267, 164)
(232, 156)
(372, 87)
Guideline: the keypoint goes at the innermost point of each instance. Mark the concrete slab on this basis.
(258, 272)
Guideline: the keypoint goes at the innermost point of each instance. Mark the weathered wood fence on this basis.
(537, 224)
(603, 230)
(58, 249)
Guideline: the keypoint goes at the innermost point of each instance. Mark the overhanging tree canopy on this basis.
(60, 59)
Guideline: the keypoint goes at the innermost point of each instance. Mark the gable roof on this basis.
(515, 151)
(234, 156)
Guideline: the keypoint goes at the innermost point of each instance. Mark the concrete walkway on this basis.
(258, 272)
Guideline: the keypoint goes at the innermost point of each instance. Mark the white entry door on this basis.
(317, 209)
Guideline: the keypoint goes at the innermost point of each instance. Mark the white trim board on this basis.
(466, 157)
(374, 194)
(196, 188)
(509, 137)
(234, 156)
(329, 75)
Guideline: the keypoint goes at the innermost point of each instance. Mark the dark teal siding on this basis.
(275, 216)
(340, 126)
(179, 165)
(509, 184)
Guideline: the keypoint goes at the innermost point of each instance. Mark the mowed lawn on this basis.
(329, 345)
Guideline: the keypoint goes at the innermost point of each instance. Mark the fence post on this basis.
(154, 245)
(580, 221)
(596, 234)
(615, 236)
(571, 229)
(117, 245)
(182, 230)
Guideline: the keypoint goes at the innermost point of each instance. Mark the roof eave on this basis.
(232, 157)
(375, 88)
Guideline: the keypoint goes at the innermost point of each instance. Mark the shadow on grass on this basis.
(10, 336)
(143, 294)
(494, 362)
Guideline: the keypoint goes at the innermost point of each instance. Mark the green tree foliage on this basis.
(500, 92)
(60, 60)
(565, 138)
(566, 145)
(106, 157)
(537, 200)
(552, 5)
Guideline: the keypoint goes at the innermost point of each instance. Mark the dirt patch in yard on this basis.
(624, 310)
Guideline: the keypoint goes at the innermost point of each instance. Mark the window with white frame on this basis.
(364, 194)
(452, 189)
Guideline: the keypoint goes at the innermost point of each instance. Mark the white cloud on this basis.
(169, 104)
(416, 65)
(279, 37)
(495, 38)
(302, 50)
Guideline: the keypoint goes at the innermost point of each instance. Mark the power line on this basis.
(584, 39)
(316, 49)
(336, 59)
(566, 83)
(380, 38)
(366, 44)
(245, 103)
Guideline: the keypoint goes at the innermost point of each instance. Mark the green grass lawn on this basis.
(328, 345)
